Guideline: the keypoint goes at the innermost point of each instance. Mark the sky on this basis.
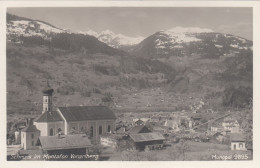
(144, 21)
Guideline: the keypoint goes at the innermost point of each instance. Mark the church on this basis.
(93, 120)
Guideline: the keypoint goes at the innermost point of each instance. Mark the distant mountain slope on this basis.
(20, 26)
(115, 40)
(32, 32)
(189, 41)
(181, 62)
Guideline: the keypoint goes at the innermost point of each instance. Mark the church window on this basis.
(91, 131)
(108, 128)
(51, 132)
(82, 130)
(240, 145)
(32, 136)
(100, 130)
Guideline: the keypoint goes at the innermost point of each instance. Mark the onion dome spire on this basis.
(47, 89)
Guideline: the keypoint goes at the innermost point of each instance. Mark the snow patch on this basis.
(188, 30)
(218, 46)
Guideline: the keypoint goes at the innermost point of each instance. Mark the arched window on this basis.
(100, 130)
(235, 147)
(32, 136)
(91, 131)
(51, 132)
(108, 128)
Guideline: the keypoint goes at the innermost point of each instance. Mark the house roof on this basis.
(229, 121)
(64, 142)
(139, 122)
(171, 123)
(30, 128)
(80, 113)
(49, 117)
(217, 134)
(120, 130)
(151, 136)
(237, 137)
(111, 136)
(138, 129)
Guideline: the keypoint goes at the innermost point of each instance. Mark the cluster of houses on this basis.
(230, 130)
(75, 129)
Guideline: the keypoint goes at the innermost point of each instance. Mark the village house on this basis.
(64, 144)
(216, 127)
(146, 141)
(140, 121)
(173, 124)
(231, 126)
(110, 140)
(238, 141)
(91, 120)
(218, 137)
(138, 129)
(29, 137)
(121, 130)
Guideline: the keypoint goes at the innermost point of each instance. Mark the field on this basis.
(194, 152)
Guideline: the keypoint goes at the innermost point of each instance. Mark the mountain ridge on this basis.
(201, 64)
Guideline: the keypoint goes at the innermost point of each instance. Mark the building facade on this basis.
(91, 120)
(29, 137)
(238, 141)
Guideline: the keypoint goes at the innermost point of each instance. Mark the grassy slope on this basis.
(135, 85)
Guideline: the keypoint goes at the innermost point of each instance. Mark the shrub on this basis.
(86, 93)
(66, 90)
(107, 97)
(96, 90)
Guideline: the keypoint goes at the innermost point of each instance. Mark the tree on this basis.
(183, 147)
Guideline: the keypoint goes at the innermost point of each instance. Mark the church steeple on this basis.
(47, 98)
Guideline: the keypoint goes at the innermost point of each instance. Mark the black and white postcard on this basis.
(140, 81)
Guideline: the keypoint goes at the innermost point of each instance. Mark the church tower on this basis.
(47, 98)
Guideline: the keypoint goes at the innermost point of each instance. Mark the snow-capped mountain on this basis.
(18, 26)
(186, 41)
(21, 27)
(114, 40)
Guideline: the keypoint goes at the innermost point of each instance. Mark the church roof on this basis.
(49, 117)
(80, 113)
(30, 128)
(238, 137)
